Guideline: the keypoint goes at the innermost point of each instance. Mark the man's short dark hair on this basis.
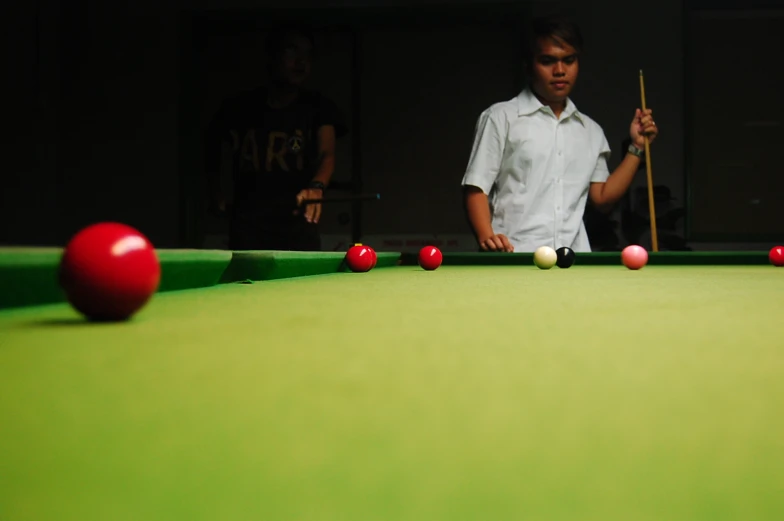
(559, 28)
(278, 35)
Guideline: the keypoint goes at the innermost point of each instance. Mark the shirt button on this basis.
(559, 152)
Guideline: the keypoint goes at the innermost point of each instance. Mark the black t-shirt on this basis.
(275, 149)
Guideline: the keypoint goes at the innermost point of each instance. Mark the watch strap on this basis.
(636, 151)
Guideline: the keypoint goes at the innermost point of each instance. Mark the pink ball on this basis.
(634, 257)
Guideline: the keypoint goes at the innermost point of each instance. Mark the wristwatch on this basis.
(636, 151)
(318, 185)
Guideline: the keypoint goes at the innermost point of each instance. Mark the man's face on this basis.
(295, 60)
(554, 69)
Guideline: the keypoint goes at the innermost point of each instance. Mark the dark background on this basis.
(106, 106)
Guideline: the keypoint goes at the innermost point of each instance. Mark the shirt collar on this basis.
(527, 104)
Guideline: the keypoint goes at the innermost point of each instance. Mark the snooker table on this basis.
(280, 386)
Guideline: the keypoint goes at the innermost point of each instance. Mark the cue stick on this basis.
(651, 207)
(343, 199)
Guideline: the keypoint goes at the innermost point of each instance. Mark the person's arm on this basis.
(331, 126)
(326, 167)
(605, 195)
(478, 211)
(326, 157)
(482, 171)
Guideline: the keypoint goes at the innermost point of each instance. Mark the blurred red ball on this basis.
(109, 271)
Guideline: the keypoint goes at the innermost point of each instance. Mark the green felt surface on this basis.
(465, 393)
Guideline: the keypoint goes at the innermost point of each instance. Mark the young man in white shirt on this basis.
(536, 159)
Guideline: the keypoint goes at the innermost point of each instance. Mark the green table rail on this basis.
(28, 276)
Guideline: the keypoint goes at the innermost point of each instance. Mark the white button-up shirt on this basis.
(536, 170)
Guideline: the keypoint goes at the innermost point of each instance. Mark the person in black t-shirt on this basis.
(283, 140)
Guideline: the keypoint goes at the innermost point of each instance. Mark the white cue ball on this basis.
(545, 257)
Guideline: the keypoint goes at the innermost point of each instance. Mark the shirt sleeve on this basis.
(601, 171)
(487, 151)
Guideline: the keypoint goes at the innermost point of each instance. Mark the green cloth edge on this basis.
(662, 258)
(28, 276)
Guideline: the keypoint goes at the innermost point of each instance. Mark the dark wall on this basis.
(99, 126)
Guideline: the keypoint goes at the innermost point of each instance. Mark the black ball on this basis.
(565, 257)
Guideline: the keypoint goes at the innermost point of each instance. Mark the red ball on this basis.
(430, 258)
(634, 257)
(776, 256)
(374, 255)
(109, 271)
(360, 258)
